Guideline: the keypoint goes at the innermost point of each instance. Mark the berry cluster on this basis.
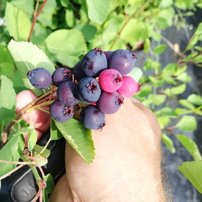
(96, 86)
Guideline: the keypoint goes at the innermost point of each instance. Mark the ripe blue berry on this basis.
(109, 103)
(39, 77)
(92, 118)
(94, 62)
(108, 54)
(61, 112)
(60, 75)
(78, 71)
(88, 89)
(66, 93)
(122, 60)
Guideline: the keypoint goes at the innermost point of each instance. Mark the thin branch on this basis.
(44, 148)
(36, 14)
(12, 171)
(171, 45)
(17, 162)
(126, 22)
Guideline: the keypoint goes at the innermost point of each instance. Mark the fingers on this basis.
(62, 192)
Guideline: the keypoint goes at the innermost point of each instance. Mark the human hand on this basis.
(126, 166)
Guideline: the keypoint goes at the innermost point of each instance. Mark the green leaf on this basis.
(55, 134)
(186, 104)
(182, 111)
(18, 23)
(187, 123)
(79, 138)
(7, 99)
(49, 10)
(197, 36)
(66, 45)
(134, 31)
(37, 149)
(195, 99)
(89, 31)
(190, 146)
(49, 186)
(23, 5)
(28, 56)
(32, 138)
(69, 18)
(9, 153)
(176, 90)
(6, 62)
(166, 3)
(192, 171)
(168, 142)
(157, 99)
(98, 10)
(160, 49)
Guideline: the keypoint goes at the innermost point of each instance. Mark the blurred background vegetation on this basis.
(167, 37)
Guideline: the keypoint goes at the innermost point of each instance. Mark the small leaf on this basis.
(168, 142)
(66, 45)
(49, 186)
(190, 146)
(28, 56)
(157, 99)
(98, 10)
(160, 49)
(187, 123)
(195, 99)
(18, 23)
(32, 138)
(175, 90)
(192, 171)
(186, 104)
(78, 137)
(37, 149)
(55, 134)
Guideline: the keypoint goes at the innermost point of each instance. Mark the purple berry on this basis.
(78, 71)
(88, 89)
(110, 80)
(94, 62)
(122, 60)
(108, 54)
(66, 93)
(92, 118)
(109, 103)
(129, 87)
(39, 77)
(61, 112)
(60, 75)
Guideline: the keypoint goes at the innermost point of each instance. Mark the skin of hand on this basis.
(127, 165)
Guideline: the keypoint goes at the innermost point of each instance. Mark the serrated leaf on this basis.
(7, 99)
(192, 171)
(168, 142)
(18, 23)
(195, 99)
(55, 134)
(190, 146)
(78, 137)
(28, 56)
(187, 123)
(98, 10)
(66, 45)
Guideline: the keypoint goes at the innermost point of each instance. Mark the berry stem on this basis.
(30, 106)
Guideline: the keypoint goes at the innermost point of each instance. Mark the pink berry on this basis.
(110, 80)
(129, 87)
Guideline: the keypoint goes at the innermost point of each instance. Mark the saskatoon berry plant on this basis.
(61, 34)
